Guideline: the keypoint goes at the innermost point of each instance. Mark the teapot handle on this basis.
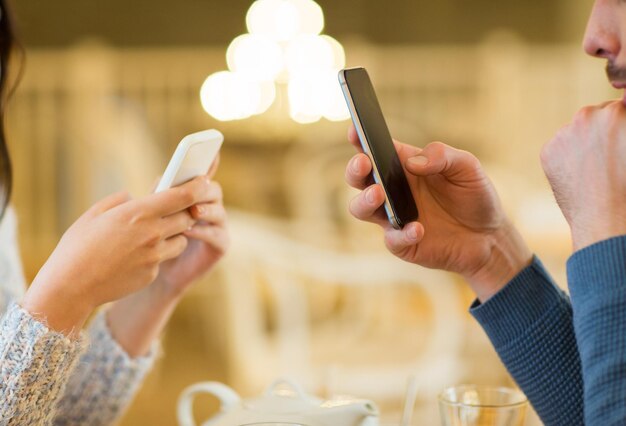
(228, 399)
(293, 386)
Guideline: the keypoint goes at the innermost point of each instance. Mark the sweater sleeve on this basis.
(597, 281)
(104, 382)
(530, 325)
(35, 364)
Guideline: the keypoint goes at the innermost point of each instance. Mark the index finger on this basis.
(214, 166)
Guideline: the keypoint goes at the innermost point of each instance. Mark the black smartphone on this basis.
(377, 144)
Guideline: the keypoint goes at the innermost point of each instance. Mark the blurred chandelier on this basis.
(283, 46)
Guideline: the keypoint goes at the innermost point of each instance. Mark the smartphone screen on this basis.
(376, 142)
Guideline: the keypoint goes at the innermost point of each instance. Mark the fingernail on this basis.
(369, 195)
(354, 165)
(412, 234)
(418, 160)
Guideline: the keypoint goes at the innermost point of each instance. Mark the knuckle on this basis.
(390, 242)
(225, 244)
(223, 212)
(583, 114)
(615, 111)
(549, 149)
(217, 189)
(355, 207)
(187, 194)
(437, 148)
(153, 273)
(181, 243)
(153, 238)
(472, 160)
(154, 258)
(350, 177)
(134, 216)
(546, 158)
(217, 212)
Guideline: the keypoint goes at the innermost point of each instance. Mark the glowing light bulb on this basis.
(230, 96)
(311, 16)
(334, 105)
(268, 95)
(305, 98)
(258, 57)
(314, 95)
(308, 53)
(339, 55)
(284, 45)
(276, 19)
(283, 20)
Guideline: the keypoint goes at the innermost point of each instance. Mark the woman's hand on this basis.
(137, 320)
(462, 227)
(113, 250)
(208, 241)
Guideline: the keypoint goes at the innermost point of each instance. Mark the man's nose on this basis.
(602, 38)
(602, 45)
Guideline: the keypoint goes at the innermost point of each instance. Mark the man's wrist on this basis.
(508, 256)
(585, 236)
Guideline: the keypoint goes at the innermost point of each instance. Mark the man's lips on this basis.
(619, 84)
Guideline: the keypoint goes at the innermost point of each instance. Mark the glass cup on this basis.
(471, 405)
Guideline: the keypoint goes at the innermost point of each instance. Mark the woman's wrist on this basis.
(137, 320)
(57, 308)
(508, 255)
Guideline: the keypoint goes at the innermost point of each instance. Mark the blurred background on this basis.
(109, 88)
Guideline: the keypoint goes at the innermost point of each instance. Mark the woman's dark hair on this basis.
(7, 47)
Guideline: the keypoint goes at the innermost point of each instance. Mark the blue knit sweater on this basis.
(569, 357)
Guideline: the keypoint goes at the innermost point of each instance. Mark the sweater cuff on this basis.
(515, 308)
(104, 342)
(36, 363)
(598, 268)
(23, 336)
(105, 380)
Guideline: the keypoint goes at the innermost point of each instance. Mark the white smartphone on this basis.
(193, 157)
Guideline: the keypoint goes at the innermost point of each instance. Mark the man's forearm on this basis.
(597, 281)
(530, 325)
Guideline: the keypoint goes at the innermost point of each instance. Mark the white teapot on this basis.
(283, 402)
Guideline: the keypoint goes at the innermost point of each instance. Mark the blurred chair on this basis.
(383, 319)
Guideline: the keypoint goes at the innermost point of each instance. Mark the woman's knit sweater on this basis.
(46, 378)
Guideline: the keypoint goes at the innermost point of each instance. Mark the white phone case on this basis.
(193, 157)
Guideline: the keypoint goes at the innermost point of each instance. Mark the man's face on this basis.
(606, 38)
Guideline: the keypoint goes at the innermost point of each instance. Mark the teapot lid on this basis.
(282, 397)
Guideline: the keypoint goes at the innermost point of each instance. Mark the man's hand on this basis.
(586, 166)
(461, 228)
